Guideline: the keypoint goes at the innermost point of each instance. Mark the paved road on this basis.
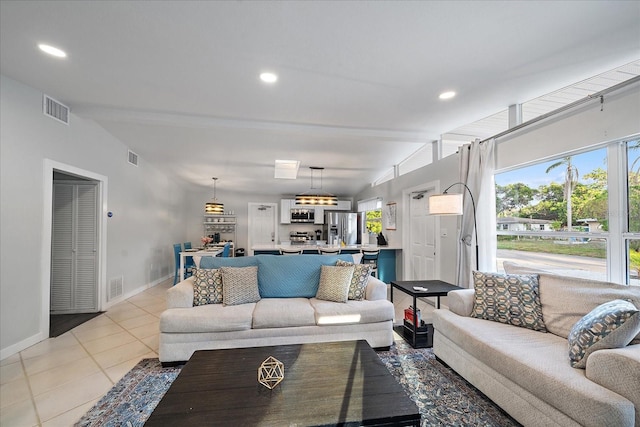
(580, 266)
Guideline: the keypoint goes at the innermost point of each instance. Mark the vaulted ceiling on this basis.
(177, 81)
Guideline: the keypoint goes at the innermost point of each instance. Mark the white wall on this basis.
(149, 209)
(576, 129)
(445, 171)
(238, 202)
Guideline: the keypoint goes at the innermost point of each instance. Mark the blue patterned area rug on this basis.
(442, 396)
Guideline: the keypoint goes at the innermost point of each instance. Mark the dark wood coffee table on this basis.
(337, 383)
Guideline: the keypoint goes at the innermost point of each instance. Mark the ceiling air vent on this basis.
(55, 110)
(133, 158)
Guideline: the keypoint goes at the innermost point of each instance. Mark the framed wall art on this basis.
(390, 216)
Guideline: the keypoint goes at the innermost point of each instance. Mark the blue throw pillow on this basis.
(292, 276)
(217, 262)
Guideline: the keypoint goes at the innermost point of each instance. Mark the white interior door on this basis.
(263, 225)
(422, 235)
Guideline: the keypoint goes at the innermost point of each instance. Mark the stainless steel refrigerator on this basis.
(344, 227)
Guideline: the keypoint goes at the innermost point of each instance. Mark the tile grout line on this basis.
(31, 395)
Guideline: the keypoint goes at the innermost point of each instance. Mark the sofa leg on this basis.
(442, 361)
(173, 364)
(387, 348)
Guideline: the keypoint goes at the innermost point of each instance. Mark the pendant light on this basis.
(316, 196)
(214, 207)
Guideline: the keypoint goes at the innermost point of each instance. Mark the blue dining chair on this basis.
(188, 269)
(188, 260)
(226, 250)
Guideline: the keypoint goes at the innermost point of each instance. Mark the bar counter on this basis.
(386, 259)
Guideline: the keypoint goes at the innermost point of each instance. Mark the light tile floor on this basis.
(55, 382)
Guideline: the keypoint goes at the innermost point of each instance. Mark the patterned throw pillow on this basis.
(240, 285)
(513, 299)
(207, 286)
(609, 325)
(359, 279)
(334, 283)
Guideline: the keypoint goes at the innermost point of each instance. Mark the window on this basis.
(561, 215)
(632, 237)
(373, 212)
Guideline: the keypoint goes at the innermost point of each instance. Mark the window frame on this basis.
(618, 236)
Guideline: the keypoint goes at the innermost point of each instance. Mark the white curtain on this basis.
(477, 165)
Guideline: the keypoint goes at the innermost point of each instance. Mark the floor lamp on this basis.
(451, 204)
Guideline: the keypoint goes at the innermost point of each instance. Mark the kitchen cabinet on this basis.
(343, 205)
(285, 210)
(287, 204)
(318, 215)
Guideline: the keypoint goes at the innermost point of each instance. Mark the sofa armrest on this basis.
(181, 295)
(461, 302)
(376, 289)
(618, 370)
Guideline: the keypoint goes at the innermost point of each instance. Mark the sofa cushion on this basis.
(240, 285)
(283, 313)
(536, 362)
(335, 313)
(292, 276)
(207, 318)
(511, 299)
(217, 262)
(359, 279)
(610, 325)
(334, 283)
(207, 286)
(566, 299)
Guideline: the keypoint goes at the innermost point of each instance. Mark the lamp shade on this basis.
(213, 208)
(324, 199)
(445, 204)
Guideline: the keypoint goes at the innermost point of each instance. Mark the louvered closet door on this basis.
(74, 249)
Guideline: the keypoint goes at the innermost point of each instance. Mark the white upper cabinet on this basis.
(343, 205)
(285, 210)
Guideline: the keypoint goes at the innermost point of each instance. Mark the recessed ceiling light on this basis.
(53, 51)
(268, 77)
(447, 95)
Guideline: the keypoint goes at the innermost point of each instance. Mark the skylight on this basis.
(286, 169)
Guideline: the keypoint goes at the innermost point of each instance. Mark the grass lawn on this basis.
(594, 249)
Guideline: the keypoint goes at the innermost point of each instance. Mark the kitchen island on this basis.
(386, 259)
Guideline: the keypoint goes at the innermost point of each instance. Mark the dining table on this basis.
(196, 252)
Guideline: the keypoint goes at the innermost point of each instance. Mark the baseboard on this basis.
(35, 339)
(19, 346)
(134, 292)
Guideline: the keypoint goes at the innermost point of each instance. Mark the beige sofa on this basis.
(527, 373)
(287, 313)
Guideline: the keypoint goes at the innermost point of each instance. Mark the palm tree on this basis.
(570, 181)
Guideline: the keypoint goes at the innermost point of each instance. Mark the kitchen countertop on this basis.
(275, 247)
